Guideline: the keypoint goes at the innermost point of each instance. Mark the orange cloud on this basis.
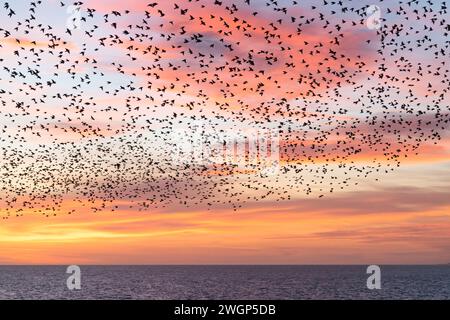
(289, 233)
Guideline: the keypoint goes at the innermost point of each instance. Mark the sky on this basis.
(396, 214)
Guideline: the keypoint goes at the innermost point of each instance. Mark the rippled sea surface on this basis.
(225, 282)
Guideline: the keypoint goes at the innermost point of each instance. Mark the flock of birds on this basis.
(89, 103)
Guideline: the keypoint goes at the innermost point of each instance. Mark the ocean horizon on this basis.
(224, 282)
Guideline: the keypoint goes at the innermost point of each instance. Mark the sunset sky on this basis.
(393, 217)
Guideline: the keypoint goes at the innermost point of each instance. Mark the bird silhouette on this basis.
(213, 104)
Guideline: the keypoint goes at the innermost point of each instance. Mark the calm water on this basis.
(225, 282)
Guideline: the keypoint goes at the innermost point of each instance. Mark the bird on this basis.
(209, 104)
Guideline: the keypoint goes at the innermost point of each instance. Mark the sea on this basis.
(259, 282)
